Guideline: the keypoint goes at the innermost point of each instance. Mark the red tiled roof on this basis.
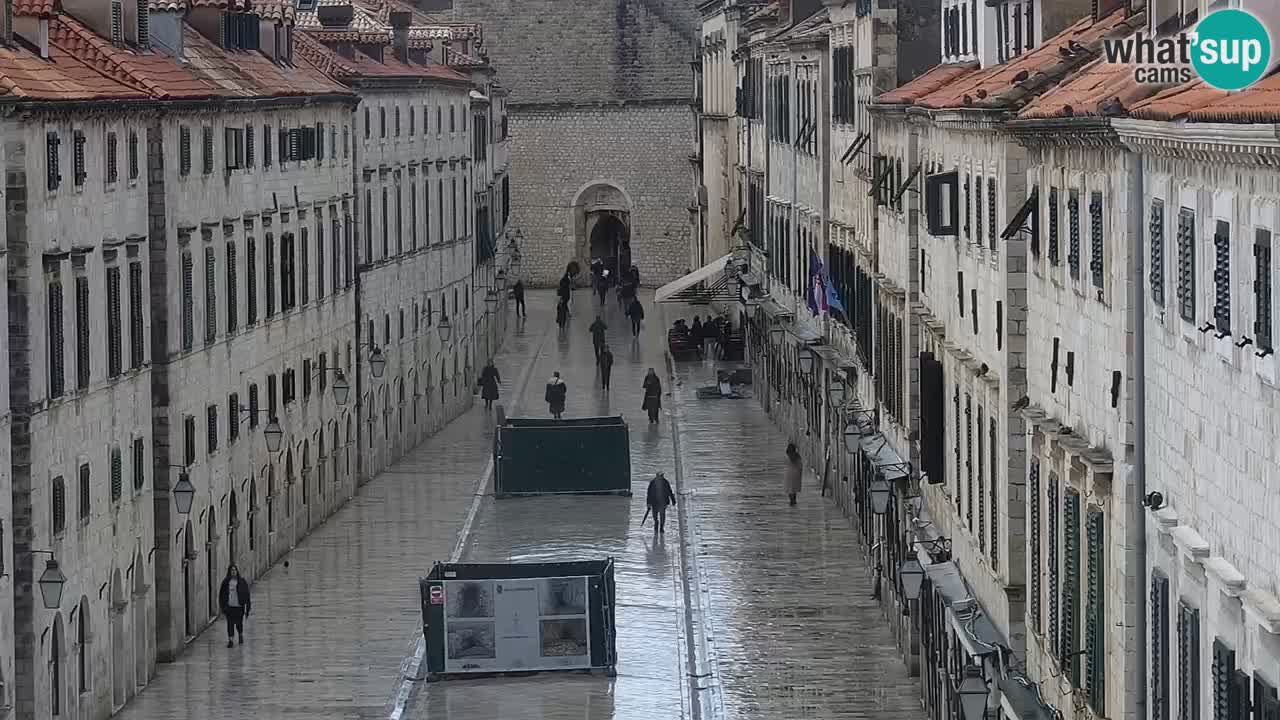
(24, 75)
(1086, 94)
(1198, 102)
(936, 78)
(157, 75)
(33, 8)
(1023, 77)
(329, 62)
(251, 74)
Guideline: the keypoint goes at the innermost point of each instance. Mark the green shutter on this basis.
(1222, 671)
(1070, 584)
(1095, 632)
(1188, 662)
(1034, 495)
(1159, 649)
(1055, 600)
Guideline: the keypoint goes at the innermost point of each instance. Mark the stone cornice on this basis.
(1064, 132)
(1254, 144)
(959, 119)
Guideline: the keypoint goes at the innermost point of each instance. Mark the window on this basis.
(1073, 230)
(1051, 544)
(233, 304)
(1226, 701)
(382, 122)
(184, 151)
(59, 506)
(85, 492)
(1222, 278)
(1188, 662)
(319, 135)
(1158, 677)
(251, 282)
(386, 227)
(288, 276)
(981, 479)
(1067, 648)
(115, 329)
(1187, 264)
(397, 121)
(412, 120)
(1033, 545)
(319, 256)
(453, 118)
(117, 475)
(272, 398)
(439, 123)
(137, 337)
(133, 155)
(234, 148)
(977, 211)
(144, 23)
(82, 332)
(253, 405)
(113, 172)
(188, 440)
(413, 215)
(210, 296)
(1097, 248)
(992, 230)
(240, 31)
(211, 429)
(994, 489)
(305, 251)
(346, 141)
(266, 146)
(53, 174)
(1155, 229)
(250, 146)
(188, 302)
(335, 236)
(1262, 324)
(139, 464)
(206, 145)
(1095, 630)
(77, 160)
(269, 274)
(306, 378)
(399, 227)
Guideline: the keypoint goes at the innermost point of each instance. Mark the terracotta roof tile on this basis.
(33, 8)
(251, 74)
(1087, 94)
(1005, 85)
(1198, 102)
(936, 78)
(327, 61)
(158, 75)
(24, 75)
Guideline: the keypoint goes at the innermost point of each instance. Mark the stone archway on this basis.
(603, 225)
(188, 581)
(121, 672)
(141, 624)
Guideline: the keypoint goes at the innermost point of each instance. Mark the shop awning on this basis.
(774, 309)
(880, 454)
(702, 285)
(804, 330)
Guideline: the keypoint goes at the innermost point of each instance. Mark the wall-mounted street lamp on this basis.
(911, 575)
(973, 689)
(184, 493)
(776, 333)
(341, 388)
(881, 489)
(51, 581)
(377, 360)
(837, 392)
(852, 437)
(272, 433)
(444, 327)
(807, 360)
(491, 299)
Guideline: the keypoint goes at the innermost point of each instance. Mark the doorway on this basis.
(141, 658)
(121, 687)
(211, 550)
(233, 524)
(610, 241)
(188, 556)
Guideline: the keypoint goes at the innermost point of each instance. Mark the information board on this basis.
(516, 625)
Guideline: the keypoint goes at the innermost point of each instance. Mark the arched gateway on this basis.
(603, 228)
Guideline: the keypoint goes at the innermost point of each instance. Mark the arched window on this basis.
(82, 646)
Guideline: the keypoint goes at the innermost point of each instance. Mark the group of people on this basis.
(564, 304)
(710, 337)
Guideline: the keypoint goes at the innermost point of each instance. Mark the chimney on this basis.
(400, 35)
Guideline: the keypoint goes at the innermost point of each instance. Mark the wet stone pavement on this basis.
(747, 608)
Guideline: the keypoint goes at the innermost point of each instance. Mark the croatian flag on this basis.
(823, 297)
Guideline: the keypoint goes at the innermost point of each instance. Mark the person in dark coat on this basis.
(234, 600)
(635, 311)
(518, 292)
(658, 498)
(605, 361)
(489, 379)
(565, 291)
(557, 391)
(795, 472)
(562, 314)
(597, 335)
(602, 285)
(652, 395)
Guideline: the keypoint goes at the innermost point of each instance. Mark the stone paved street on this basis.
(777, 622)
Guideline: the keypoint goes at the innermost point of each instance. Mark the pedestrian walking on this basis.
(605, 361)
(602, 286)
(562, 314)
(794, 473)
(658, 498)
(652, 395)
(557, 391)
(233, 599)
(565, 291)
(597, 335)
(489, 379)
(518, 291)
(636, 312)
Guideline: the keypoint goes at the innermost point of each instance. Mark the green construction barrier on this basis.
(579, 455)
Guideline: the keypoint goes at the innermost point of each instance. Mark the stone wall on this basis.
(641, 150)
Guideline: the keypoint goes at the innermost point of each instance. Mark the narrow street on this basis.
(775, 621)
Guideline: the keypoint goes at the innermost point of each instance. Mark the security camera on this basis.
(1153, 500)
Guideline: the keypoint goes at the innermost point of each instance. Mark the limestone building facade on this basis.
(601, 126)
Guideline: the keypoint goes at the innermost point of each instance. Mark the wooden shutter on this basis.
(233, 417)
(1158, 675)
(115, 329)
(1188, 662)
(1054, 226)
(184, 151)
(77, 157)
(117, 475)
(1070, 584)
(1073, 232)
(1262, 324)
(253, 405)
(251, 282)
(992, 208)
(188, 301)
(1266, 706)
(1222, 670)
(210, 296)
(1033, 544)
(211, 421)
(981, 480)
(53, 171)
(1187, 264)
(233, 304)
(1052, 548)
(137, 338)
(1095, 630)
(83, 361)
(1222, 277)
(113, 167)
(1097, 248)
(1155, 274)
(139, 463)
(269, 273)
(994, 489)
(133, 150)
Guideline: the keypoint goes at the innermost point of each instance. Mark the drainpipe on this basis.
(1137, 513)
(357, 178)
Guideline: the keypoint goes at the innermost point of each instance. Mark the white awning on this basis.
(710, 271)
